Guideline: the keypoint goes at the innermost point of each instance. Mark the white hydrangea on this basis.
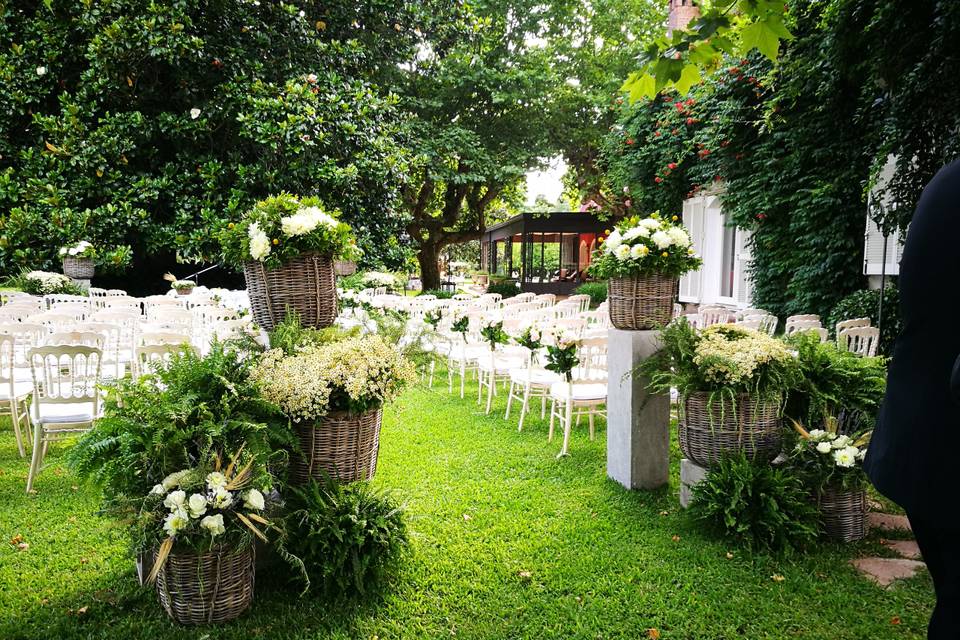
(253, 499)
(194, 113)
(214, 524)
(175, 522)
(662, 239)
(622, 252)
(48, 282)
(259, 242)
(639, 251)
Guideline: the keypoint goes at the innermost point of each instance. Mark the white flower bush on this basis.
(41, 283)
(82, 249)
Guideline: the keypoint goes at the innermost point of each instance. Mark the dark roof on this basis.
(557, 221)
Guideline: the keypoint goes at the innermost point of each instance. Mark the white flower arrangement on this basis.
(651, 245)
(356, 375)
(379, 279)
(82, 249)
(828, 458)
(731, 355)
(45, 282)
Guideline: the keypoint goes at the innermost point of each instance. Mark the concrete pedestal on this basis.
(638, 423)
(690, 476)
(83, 284)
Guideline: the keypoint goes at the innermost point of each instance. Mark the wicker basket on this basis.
(78, 268)
(639, 303)
(184, 291)
(341, 445)
(707, 433)
(305, 285)
(844, 514)
(207, 588)
(344, 267)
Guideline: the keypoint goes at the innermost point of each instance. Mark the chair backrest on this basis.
(581, 299)
(30, 302)
(462, 296)
(8, 362)
(148, 356)
(851, 324)
(85, 338)
(79, 310)
(751, 311)
(862, 341)
(592, 356)
(803, 317)
(53, 320)
(708, 316)
(53, 299)
(820, 331)
(120, 303)
(754, 322)
(115, 292)
(801, 325)
(15, 313)
(25, 336)
(156, 338)
(65, 374)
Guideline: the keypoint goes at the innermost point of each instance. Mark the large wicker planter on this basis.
(207, 588)
(344, 267)
(709, 432)
(844, 514)
(341, 446)
(305, 285)
(78, 268)
(639, 303)
(184, 291)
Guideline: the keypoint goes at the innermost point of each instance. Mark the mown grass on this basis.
(508, 542)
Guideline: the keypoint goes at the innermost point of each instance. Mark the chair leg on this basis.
(463, 374)
(506, 416)
(543, 405)
(491, 390)
(449, 376)
(590, 418)
(553, 405)
(524, 408)
(568, 420)
(433, 367)
(15, 418)
(36, 458)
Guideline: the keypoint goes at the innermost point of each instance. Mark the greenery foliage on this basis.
(756, 505)
(835, 383)
(438, 293)
(39, 283)
(866, 304)
(349, 537)
(596, 290)
(507, 288)
(193, 408)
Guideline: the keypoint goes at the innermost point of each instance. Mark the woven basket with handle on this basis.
(341, 445)
(78, 268)
(844, 514)
(207, 588)
(305, 285)
(708, 432)
(344, 267)
(639, 303)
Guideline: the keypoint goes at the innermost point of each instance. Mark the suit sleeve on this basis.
(955, 381)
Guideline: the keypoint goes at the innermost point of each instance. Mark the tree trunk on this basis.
(429, 258)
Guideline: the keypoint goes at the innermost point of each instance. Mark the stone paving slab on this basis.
(885, 571)
(904, 548)
(887, 522)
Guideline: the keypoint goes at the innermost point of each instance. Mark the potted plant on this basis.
(332, 394)
(831, 464)
(202, 522)
(731, 383)
(286, 247)
(182, 287)
(80, 260)
(642, 260)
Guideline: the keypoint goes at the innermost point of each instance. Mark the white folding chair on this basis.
(855, 323)
(15, 393)
(711, 315)
(862, 341)
(76, 338)
(801, 325)
(147, 357)
(66, 400)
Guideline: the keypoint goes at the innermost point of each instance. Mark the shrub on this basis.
(866, 304)
(39, 283)
(507, 288)
(756, 505)
(596, 290)
(349, 537)
(441, 295)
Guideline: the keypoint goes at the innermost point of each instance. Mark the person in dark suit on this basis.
(914, 456)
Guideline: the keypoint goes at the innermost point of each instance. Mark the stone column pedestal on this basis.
(638, 423)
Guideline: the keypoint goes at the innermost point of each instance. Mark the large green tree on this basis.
(153, 123)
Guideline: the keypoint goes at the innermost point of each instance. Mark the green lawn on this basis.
(508, 542)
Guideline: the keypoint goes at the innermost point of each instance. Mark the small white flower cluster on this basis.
(48, 282)
(379, 279)
(841, 447)
(365, 368)
(184, 510)
(650, 234)
(732, 355)
(259, 242)
(82, 249)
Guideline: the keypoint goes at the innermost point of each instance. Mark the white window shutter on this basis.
(873, 251)
(743, 287)
(691, 284)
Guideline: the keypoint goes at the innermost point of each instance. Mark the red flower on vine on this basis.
(691, 121)
(658, 179)
(630, 141)
(672, 165)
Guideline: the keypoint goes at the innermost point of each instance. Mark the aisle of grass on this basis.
(508, 542)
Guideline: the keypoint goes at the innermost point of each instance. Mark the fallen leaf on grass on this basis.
(524, 575)
(23, 546)
(81, 611)
(664, 513)
(72, 519)
(467, 517)
(777, 577)
(84, 560)
(17, 539)
(729, 556)
(654, 634)
(675, 538)
(895, 620)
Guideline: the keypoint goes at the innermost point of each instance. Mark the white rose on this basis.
(639, 251)
(197, 505)
(213, 524)
(824, 447)
(173, 479)
(175, 522)
(194, 113)
(253, 499)
(63, 251)
(622, 252)
(817, 435)
(158, 490)
(222, 498)
(662, 239)
(841, 442)
(216, 480)
(175, 500)
(41, 71)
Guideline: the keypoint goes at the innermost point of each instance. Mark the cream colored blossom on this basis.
(638, 251)
(175, 522)
(214, 524)
(662, 239)
(731, 355)
(259, 242)
(197, 505)
(253, 499)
